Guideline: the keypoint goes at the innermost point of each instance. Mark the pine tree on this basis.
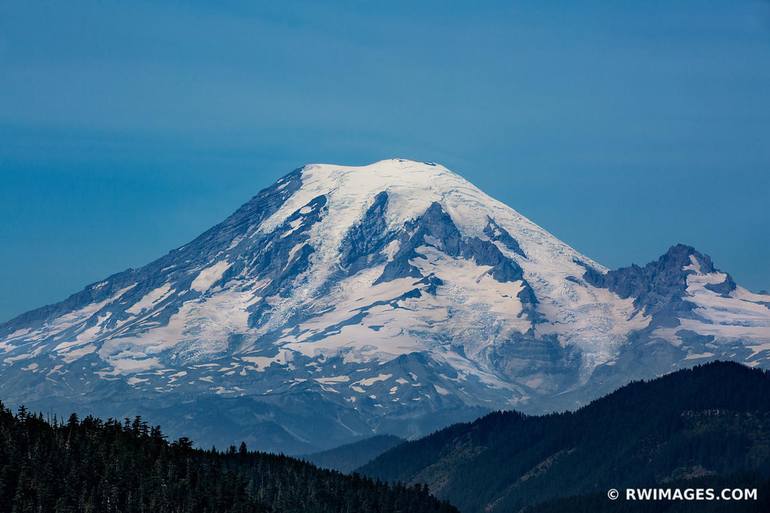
(95, 466)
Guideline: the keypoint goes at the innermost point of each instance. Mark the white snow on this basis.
(747, 295)
(441, 390)
(76, 317)
(260, 363)
(596, 320)
(202, 326)
(133, 363)
(293, 226)
(694, 265)
(17, 334)
(333, 379)
(740, 316)
(208, 276)
(152, 297)
(371, 381)
(697, 356)
(177, 375)
(412, 187)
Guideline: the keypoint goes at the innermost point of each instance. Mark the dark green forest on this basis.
(95, 466)
(709, 424)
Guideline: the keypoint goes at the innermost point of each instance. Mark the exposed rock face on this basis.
(658, 288)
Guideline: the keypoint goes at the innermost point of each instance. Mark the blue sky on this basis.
(127, 128)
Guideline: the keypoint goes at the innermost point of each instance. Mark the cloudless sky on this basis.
(127, 128)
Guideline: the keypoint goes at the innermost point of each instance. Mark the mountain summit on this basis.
(390, 298)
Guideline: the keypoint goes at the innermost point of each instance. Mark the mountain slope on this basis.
(714, 423)
(90, 465)
(349, 457)
(342, 302)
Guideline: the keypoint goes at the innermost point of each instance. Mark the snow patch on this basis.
(371, 381)
(152, 297)
(210, 275)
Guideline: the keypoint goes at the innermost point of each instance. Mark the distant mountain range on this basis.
(703, 427)
(349, 457)
(394, 298)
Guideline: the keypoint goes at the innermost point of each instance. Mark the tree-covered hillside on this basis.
(91, 466)
(709, 423)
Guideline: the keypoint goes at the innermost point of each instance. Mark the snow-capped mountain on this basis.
(389, 298)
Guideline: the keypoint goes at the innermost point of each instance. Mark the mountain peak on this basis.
(345, 301)
(681, 256)
(394, 163)
(382, 173)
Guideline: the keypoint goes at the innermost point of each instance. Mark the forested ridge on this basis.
(95, 466)
(705, 425)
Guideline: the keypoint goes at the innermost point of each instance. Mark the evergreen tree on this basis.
(93, 466)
